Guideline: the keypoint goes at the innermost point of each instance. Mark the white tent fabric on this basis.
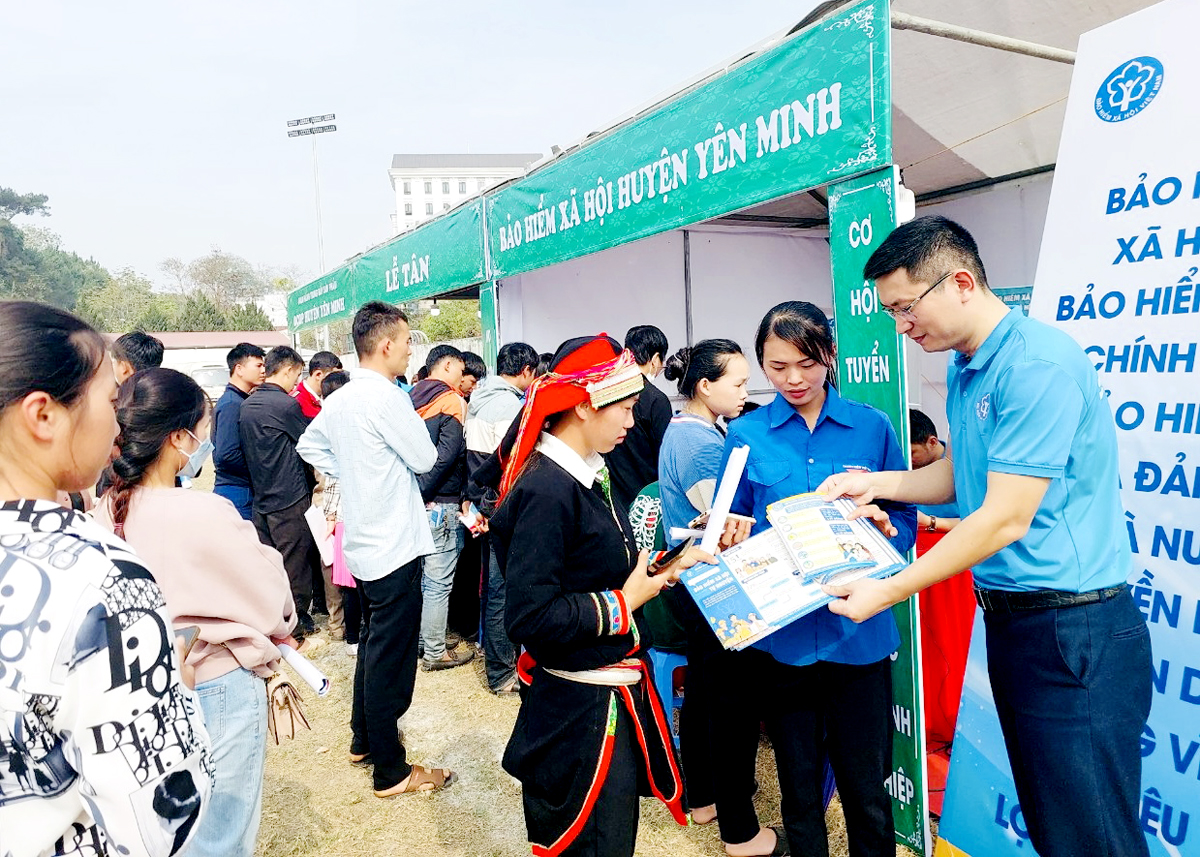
(963, 113)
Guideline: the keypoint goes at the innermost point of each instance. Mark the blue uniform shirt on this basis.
(1028, 402)
(787, 459)
(690, 454)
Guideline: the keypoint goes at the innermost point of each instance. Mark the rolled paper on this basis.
(730, 480)
(304, 668)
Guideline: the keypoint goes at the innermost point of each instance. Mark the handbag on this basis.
(284, 707)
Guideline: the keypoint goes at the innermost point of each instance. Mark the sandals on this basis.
(510, 688)
(420, 781)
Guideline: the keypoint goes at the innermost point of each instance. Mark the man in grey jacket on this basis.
(495, 403)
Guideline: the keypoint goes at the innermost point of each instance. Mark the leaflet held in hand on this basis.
(772, 579)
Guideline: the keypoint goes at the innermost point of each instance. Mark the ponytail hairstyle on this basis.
(706, 360)
(804, 326)
(150, 406)
(46, 350)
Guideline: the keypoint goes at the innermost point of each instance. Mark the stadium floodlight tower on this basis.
(309, 127)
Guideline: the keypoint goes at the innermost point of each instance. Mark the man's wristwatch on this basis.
(932, 527)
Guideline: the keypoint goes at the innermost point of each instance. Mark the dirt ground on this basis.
(316, 803)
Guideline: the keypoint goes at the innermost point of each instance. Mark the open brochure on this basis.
(775, 577)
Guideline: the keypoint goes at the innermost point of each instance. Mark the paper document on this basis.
(321, 534)
(775, 577)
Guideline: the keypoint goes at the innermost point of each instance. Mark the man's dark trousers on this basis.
(386, 671)
(288, 532)
(1072, 688)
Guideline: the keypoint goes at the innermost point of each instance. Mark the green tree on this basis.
(458, 319)
(13, 203)
(18, 264)
(62, 277)
(119, 304)
(33, 264)
(159, 317)
(248, 316)
(199, 312)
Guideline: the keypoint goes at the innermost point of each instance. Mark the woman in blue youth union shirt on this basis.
(822, 684)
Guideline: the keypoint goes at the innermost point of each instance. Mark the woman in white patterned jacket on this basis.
(102, 748)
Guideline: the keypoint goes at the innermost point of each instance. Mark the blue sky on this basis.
(158, 129)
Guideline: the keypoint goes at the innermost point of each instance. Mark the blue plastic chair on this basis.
(665, 664)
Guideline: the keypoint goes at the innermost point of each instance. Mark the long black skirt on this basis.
(584, 754)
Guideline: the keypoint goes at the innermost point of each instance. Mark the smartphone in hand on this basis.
(664, 562)
(187, 636)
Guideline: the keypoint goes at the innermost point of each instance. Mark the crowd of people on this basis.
(112, 740)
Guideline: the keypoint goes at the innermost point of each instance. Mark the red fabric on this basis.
(309, 404)
(674, 803)
(558, 391)
(947, 614)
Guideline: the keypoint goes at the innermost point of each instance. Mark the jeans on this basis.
(1072, 688)
(240, 497)
(386, 670)
(499, 654)
(438, 577)
(235, 713)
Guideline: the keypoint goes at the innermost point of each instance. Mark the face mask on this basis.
(196, 460)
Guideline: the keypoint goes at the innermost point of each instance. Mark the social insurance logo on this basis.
(1129, 89)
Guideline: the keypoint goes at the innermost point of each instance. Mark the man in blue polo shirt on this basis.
(1034, 473)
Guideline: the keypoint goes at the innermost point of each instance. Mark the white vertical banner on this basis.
(1120, 271)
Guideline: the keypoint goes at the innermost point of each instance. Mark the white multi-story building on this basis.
(427, 185)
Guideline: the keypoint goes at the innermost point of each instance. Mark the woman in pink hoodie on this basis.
(215, 574)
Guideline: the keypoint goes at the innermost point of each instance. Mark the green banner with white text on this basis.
(814, 109)
(870, 368)
(328, 298)
(438, 257)
(435, 258)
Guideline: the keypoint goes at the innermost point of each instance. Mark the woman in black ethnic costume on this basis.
(591, 735)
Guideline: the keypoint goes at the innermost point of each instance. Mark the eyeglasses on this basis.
(907, 314)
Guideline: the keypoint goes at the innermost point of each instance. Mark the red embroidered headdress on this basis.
(587, 370)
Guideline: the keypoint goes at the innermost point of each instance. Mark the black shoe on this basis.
(305, 625)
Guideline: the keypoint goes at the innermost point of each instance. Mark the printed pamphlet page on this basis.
(773, 578)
